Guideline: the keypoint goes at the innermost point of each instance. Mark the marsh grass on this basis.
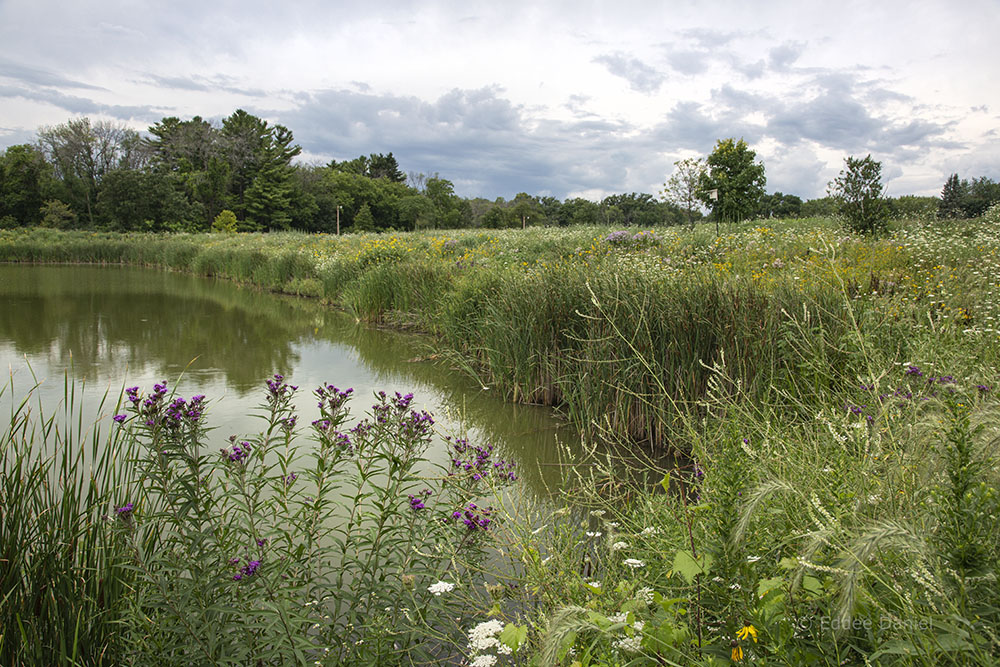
(60, 584)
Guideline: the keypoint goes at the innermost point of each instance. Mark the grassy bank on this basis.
(623, 328)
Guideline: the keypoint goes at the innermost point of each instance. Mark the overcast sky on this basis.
(552, 98)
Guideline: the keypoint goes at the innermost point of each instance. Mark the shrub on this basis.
(992, 215)
(225, 222)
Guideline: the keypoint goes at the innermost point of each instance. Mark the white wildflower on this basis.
(595, 584)
(613, 524)
(651, 530)
(503, 649)
(633, 563)
(645, 594)
(486, 630)
(595, 533)
(639, 625)
(618, 546)
(597, 513)
(441, 587)
(620, 617)
(485, 660)
(753, 559)
(629, 644)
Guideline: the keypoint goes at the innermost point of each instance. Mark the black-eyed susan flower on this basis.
(747, 632)
(737, 652)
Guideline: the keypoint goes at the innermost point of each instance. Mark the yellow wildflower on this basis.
(747, 631)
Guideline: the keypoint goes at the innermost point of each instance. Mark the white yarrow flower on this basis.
(633, 563)
(618, 546)
(441, 587)
(485, 660)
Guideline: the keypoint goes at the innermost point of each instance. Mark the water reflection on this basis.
(110, 326)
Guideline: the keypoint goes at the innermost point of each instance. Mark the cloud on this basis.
(36, 76)
(640, 76)
(783, 56)
(82, 105)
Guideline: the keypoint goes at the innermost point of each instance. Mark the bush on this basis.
(225, 222)
(992, 215)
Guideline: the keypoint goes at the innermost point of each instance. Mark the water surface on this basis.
(110, 327)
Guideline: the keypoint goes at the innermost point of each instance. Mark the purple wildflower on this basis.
(124, 511)
(120, 418)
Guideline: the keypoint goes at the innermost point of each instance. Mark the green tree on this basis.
(738, 181)
(860, 195)
(364, 221)
(952, 195)
(780, 205)
(57, 215)
(682, 188)
(82, 153)
(25, 178)
(979, 195)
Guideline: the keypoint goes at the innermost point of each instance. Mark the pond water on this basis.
(106, 328)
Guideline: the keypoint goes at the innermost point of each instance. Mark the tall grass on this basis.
(560, 317)
(61, 585)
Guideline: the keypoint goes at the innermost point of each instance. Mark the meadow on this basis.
(831, 398)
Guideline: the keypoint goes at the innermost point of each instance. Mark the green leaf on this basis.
(514, 635)
(690, 567)
(767, 585)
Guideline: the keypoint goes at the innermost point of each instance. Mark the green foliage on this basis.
(992, 215)
(225, 222)
(363, 220)
(25, 179)
(57, 215)
(952, 196)
(860, 196)
(780, 205)
(737, 180)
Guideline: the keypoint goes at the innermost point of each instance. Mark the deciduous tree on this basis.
(736, 178)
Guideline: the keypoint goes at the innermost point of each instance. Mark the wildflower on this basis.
(645, 594)
(247, 570)
(737, 653)
(485, 660)
(747, 632)
(650, 530)
(417, 501)
(753, 559)
(633, 563)
(629, 644)
(480, 636)
(120, 418)
(441, 587)
(125, 511)
(618, 546)
(289, 478)
(596, 533)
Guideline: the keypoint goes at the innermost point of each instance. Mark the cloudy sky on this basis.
(552, 98)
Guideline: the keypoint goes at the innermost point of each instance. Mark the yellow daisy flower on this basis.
(747, 631)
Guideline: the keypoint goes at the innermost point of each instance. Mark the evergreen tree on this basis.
(951, 198)
(364, 221)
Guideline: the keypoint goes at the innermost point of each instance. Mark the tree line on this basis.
(183, 174)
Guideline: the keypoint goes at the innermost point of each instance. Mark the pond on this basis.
(107, 328)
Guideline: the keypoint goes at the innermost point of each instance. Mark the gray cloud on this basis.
(783, 56)
(82, 105)
(640, 76)
(481, 141)
(689, 62)
(35, 76)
